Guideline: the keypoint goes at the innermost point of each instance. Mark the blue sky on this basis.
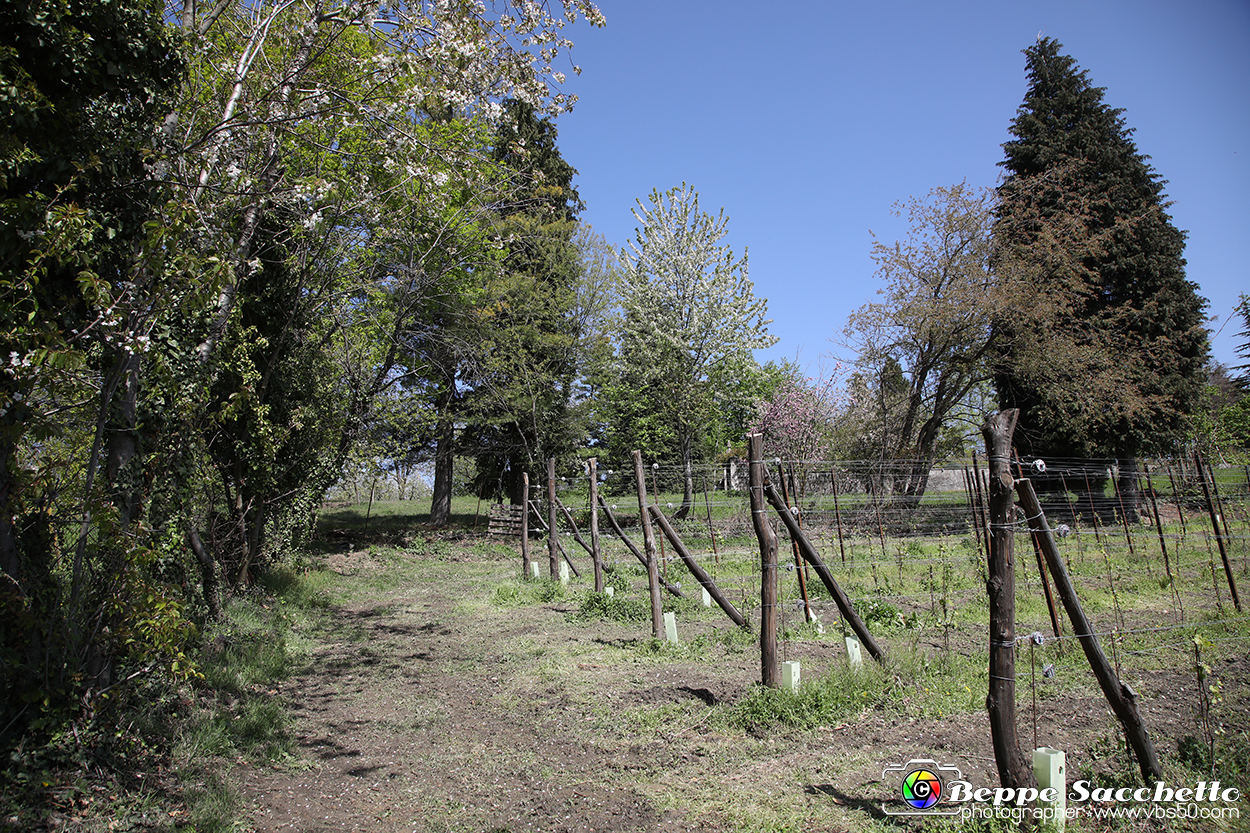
(806, 121)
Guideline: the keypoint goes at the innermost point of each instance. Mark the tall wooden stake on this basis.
(1176, 498)
(972, 506)
(1219, 536)
(769, 667)
(594, 524)
(525, 524)
(981, 511)
(1014, 769)
(711, 530)
(553, 551)
(1119, 497)
(1041, 569)
(655, 484)
(648, 546)
(837, 513)
(1163, 546)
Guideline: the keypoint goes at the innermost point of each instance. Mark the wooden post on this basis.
(525, 524)
(876, 505)
(770, 671)
(972, 506)
(1176, 498)
(837, 513)
(1122, 698)
(711, 530)
(813, 558)
(1219, 537)
(1163, 546)
(1080, 539)
(1041, 570)
(1119, 497)
(642, 559)
(553, 553)
(698, 572)
(1219, 503)
(594, 524)
(981, 512)
(794, 544)
(655, 484)
(799, 563)
(1013, 767)
(648, 545)
(1093, 510)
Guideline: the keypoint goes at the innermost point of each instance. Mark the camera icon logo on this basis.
(921, 786)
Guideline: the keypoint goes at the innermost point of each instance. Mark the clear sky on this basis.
(807, 120)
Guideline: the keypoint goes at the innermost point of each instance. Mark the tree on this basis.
(368, 125)
(928, 342)
(798, 416)
(519, 409)
(1243, 350)
(689, 311)
(224, 226)
(1119, 369)
(85, 85)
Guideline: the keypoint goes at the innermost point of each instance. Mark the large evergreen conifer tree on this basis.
(519, 410)
(1125, 347)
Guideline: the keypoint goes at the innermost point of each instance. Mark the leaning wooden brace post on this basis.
(577, 534)
(525, 524)
(813, 558)
(1041, 572)
(648, 545)
(794, 544)
(642, 559)
(559, 545)
(594, 524)
(769, 669)
(1122, 698)
(552, 543)
(1014, 769)
(698, 572)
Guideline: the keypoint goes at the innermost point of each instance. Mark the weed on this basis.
(614, 607)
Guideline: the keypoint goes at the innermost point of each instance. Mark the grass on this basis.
(924, 596)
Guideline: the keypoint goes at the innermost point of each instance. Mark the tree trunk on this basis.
(10, 564)
(687, 479)
(1129, 486)
(124, 483)
(444, 462)
(208, 571)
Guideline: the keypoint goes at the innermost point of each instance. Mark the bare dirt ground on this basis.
(429, 705)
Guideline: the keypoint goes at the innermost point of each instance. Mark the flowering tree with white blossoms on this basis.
(360, 129)
(688, 309)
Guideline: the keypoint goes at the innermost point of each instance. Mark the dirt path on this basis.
(418, 713)
(430, 705)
